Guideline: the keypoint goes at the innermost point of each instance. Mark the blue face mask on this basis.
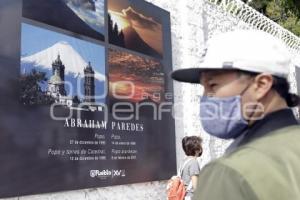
(222, 117)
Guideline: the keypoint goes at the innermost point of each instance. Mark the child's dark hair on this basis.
(191, 145)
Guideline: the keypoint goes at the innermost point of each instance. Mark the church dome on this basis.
(55, 79)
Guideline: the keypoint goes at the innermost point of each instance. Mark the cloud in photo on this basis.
(139, 20)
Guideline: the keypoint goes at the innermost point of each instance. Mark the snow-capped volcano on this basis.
(74, 63)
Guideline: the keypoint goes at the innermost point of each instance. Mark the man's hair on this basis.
(191, 145)
(282, 87)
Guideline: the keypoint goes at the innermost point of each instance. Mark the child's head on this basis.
(192, 146)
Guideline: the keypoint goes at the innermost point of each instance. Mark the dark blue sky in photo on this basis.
(35, 39)
(94, 18)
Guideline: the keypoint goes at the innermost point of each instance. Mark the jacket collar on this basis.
(271, 122)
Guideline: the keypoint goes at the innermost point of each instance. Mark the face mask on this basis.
(222, 117)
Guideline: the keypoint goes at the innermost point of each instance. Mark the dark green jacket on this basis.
(264, 166)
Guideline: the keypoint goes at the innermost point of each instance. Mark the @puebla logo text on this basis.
(107, 173)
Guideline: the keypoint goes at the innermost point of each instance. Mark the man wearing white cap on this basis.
(246, 98)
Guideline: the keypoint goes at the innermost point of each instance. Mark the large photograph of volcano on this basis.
(56, 68)
(134, 79)
(84, 17)
(131, 28)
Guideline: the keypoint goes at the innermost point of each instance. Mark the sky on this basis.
(35, 39)
(119, 5)
(125, 15)
(95, 19)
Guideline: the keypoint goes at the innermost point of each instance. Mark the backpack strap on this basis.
(190, 186)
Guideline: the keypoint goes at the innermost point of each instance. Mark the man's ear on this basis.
(262, 85)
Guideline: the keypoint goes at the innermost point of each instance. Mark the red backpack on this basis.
(175, 188)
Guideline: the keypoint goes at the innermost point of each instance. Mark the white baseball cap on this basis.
(247, 50)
